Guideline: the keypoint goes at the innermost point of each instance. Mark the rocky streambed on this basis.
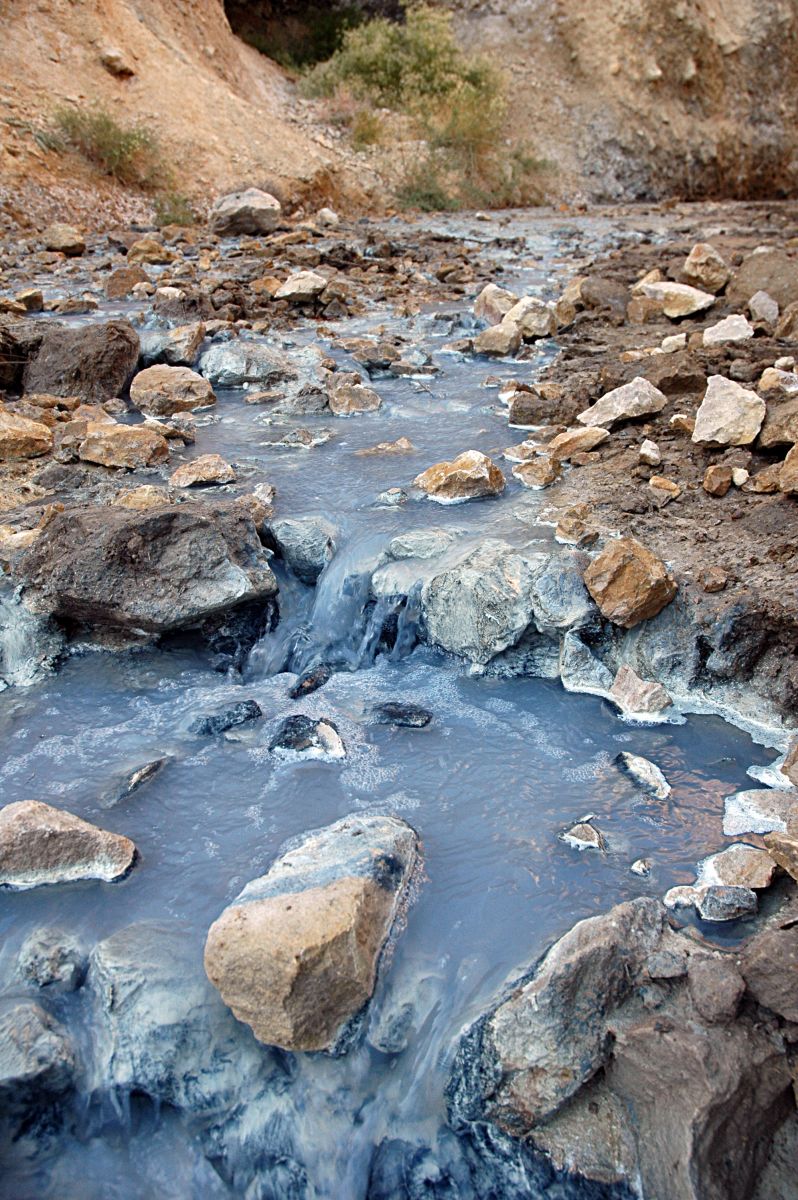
(398, 638)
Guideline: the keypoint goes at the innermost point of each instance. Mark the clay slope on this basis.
(635, 99)
(224, 113)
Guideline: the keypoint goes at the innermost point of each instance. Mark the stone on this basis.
(498, 341)
(760, 810)
(769, 966)
(790, 765)
(716, 987)
(21, 438)
(782, 382)
(347, 394)
(165, 568)
(468, 477)
(724, 902)
(250, 211)
(302, 288)
(639, 398)
(629, 583)
(645, 774)
(717, 479)
(739, 476)
(176, 347)
(241, 361)
(576, 441)
(635, 696)
(37, 1056)
(120, 283)
(787, 328)
(532, 318)
(649, 453)
(402, 445)
(731, 329)
(406, 716)
(207, 469)
(538, 472)
(584, 836)
(52, 958)
(420, 543)
(115, 63)
(142, 498)
(297, 953)
(64, 239)
(310, 681)
(788, 473)
(642, 867)
(94, 362)
(763, 310)
(306, 544)
(40, 844)
(680, 897)
(301, 737)
(705, 268)
(713, 578)
(162, 390)
(131, 446)
(151, 250)
(783, 849)
(768, 480)
(676, 299)
(239, 713)
(493, 303)
(738, 865)
(765, 270)
(31, 299)
(665, 489)
(729, 415)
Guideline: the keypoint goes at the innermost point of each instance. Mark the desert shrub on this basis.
(129, 153)
(172, 208)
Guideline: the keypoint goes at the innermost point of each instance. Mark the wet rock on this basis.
(248, 211)
(493, 303)
(130, 782)
(94, 362)
(301, 288)
(760, 810)
(783, 849)
(538, 472)
(584, 836)
(163, 390)
(639, 398)
(420, 543)
(724, 902)
(729, 415)
(232, 364)
(212, 724)
(675, 299)
(405, 715)
(303, 737)
(770, 271)
(739, 865)
(156, 570)
(21, 438)
(629, 583)
(468, 477)
(347, 394)
(306, 544)
(580, 670)
(207, 469)
(64, 239)
(498, 341)
(402, 445)
(645, 774)
(40, 844)
(642, 867)
(296, 955)
(131, 446)
(52, 958)
(705, 268)
(731, 329)
(311, 681)
(37, 1057)
(176, 347)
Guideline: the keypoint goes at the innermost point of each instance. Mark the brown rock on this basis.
(767, 481)
(717, 480)
(498, 341)
(64, 239)
(783, 849)
(120, 283)
(163, 390)
(40, 844)
(347, 394)
(466, 477)
(150, 250)
(665, 489)
(208, 468)
(713, 579)
(705, 268)
(769, 966)
(770, 271)
(629, 583)
(576, 441)
(21, 438)
(493, 303)
(716, 987)
(142, 498)
(635, 695)
(790, 767)
(94, 362)
(402, 445)
(787, 473)
(131, 446)
(538, 472)
(787, 328)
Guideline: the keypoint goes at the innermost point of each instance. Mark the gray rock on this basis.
(232, 364)
(306, 543)
(725, 902)
(580, 670)
(37, 1057)
(646, 774)
(249, 211)
(420, 543)
(300, 736)
(239, 713)
(52, 958)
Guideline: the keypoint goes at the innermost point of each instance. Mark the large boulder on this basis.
(232, 364)
(21, 438)
(152, 570)
(248, 211)
(64, 239)
(94, 362)
(629, 583)
(639, 398)
(467, 477)
(162, 390)
(41, 844)
(295, 956)
(729, 415)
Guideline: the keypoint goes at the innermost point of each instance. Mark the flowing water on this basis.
(504, 766)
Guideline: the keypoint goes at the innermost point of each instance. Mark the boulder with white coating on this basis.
(41, 844)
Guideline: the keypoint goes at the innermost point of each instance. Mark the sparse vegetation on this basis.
(172, 208)
(454, 103)
(129, 153)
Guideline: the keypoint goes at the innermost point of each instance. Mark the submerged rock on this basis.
(584, 836)
(296, 955)
(629, 583)
(348, 394)
(52, 958)
(467, 477)
(303, 737)
(311, 681)
(645, 774)
(393, 713)
(40, 844)
(239, 713)
(37, 1057)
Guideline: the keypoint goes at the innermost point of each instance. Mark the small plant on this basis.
(129, 153)
(172, 208)
(366, 129)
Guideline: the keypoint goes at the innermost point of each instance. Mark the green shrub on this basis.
(172, 208)
(129, 153)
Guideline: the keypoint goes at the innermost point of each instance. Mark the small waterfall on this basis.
(28, 643)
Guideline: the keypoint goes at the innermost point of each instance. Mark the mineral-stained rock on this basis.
(112, 445)
(120, 283)
(65, 239)
(21, 438)
(347, 393)
(94, 362)
(538, 472)
(645, 774)
(769, 964)
(738, 865)
(576, 441)
(705, 268)
(725, 902)
(639, 398)
(788, 473)
(467, 477)
(162, 390)
(296, 955)
(783, 849)
(717, 479)
(532, 318)
(300, 736)
(301, 288)
(729, 415)
(208, 468)
(760, 810)
(248, 211)
(781, 421)
(306, 543)
(41, 844)
(493, 303)
(716, 987)
(634, 695)
(629, 583)
(52, 958)
(155, 570)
